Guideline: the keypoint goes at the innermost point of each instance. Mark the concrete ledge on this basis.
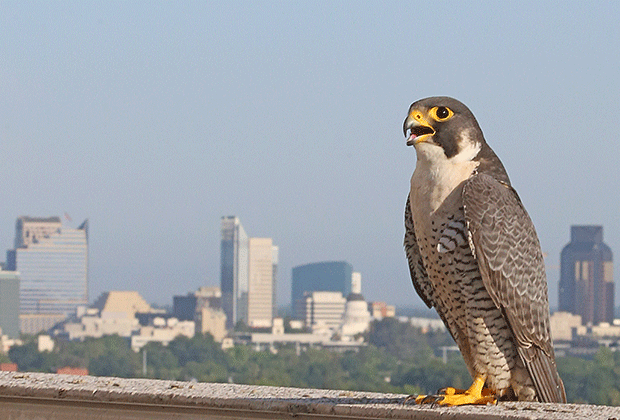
(53, 396)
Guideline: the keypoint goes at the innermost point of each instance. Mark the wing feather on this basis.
(419, 277)
(504, 241)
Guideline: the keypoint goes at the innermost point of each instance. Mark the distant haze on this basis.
(154, 119)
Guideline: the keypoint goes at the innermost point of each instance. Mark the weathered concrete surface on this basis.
(52, 396)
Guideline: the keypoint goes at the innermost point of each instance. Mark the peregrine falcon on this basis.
(474, 255)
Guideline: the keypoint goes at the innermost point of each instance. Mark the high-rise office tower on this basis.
(52, 261)
(9, 303)
(234, 270)
(332, 276)
(586, 277)
(275, 251)
(248, 276)
(260, 277)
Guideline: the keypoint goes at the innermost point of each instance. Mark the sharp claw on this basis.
(428, 399)
(431, 399)
(409, 398)
(437, 402)
(451, 396)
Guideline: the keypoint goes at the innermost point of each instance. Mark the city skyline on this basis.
(153, 120)
(232, 230)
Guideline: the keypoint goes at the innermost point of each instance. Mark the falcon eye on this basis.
(441, 113)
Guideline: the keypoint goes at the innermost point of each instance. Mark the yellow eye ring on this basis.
(441, 113)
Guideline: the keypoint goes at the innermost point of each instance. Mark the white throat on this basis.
(436, 175)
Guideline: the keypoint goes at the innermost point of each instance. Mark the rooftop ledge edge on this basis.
(267, 399)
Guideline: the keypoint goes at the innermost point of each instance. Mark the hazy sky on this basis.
(154, 119)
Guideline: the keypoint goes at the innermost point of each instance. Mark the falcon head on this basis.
(441, 124)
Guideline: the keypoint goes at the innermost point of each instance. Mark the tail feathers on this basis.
(544, 373)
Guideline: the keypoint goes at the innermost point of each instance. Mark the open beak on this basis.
(419, 129)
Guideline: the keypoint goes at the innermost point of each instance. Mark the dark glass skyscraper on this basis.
(332, 276)
(234, 270)
(586, 277)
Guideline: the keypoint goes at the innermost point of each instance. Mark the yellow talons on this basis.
(476, 394)
(451, 391)
(466, 399)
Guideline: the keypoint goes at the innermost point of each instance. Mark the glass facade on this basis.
(586, 276)
(332, 276)
(9, 303)
(234, 271)
(53, 271)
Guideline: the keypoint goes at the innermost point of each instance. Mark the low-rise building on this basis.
(204, 308)
(45, 343)
(98, 324)
(565, 326)
(212, 321)
(605, 329)
(7, 342)
(127, 302)
(162, 331)
(426, 324)
(296, 324)
(116, 313)
(68, 370)
(8, 367)
(324, 338)
(380, 310)
(186, 308)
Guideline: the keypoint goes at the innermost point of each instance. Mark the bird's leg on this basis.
(476, 394)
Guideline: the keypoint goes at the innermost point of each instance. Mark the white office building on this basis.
(53, 264)
(324, 310)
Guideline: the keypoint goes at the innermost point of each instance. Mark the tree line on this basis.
(399, 358)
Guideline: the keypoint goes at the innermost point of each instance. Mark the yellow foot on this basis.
(476, 394)
(455, 399)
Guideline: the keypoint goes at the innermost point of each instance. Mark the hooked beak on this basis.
(419, 129)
